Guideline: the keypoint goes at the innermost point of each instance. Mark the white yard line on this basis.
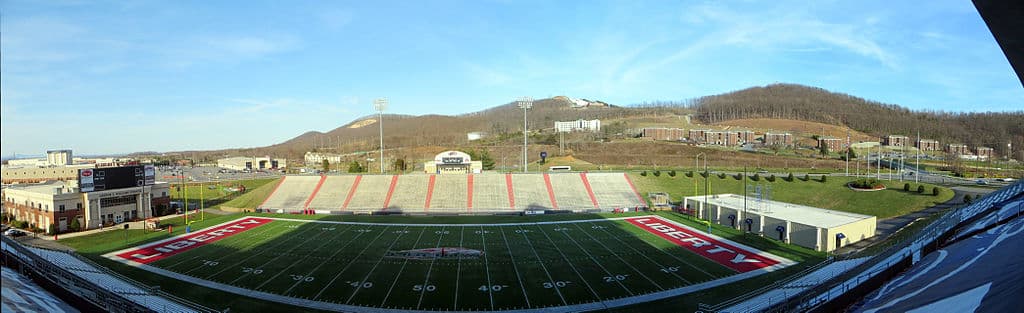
(620, 257)
(401, 269)
(592, 259)
(541, 261)
(288, 252)
(354, 292)
(339, 250)
(235, 264)
(349, 264)
(574, 269)
(321, 246)
(426, 280)
(644, 255)
(490, 286)
(458, 272)
(246, 239)
(519, 277)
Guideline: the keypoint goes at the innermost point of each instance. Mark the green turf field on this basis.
(522, 265)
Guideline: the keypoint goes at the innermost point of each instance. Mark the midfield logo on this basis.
(436, 253)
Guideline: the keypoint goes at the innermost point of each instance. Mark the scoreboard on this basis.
(109, 178)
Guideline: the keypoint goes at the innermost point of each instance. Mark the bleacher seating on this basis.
(410, 193)
(333, 193)
(370, 193)
(612, 190)
(450, 192)
(810, 280)
(570, 192)
(490, 193)
(292, 193)
(530, 192)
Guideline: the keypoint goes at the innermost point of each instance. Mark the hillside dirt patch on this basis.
(801, 127)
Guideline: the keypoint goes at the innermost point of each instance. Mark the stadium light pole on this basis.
(525, 103)
(380, 105)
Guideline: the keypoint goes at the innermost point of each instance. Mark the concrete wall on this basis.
(804, 235)
(854, 232)
(769, 228)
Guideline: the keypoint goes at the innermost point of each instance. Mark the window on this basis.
(61, 208)
(78, 206)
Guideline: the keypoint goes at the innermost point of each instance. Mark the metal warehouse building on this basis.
(815, 228)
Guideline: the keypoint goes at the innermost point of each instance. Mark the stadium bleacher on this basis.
(371, 193)
(333, 193)
(490, 193)
(570, 192)
(775, 295)
(292, 193)
(531, 193)
(612, 190)
(410, 193)
(450, 192)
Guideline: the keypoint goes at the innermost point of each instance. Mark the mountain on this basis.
(797, 102)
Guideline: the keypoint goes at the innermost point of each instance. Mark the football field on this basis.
(337, 265)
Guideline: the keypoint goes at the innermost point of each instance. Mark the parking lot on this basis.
(209, 173)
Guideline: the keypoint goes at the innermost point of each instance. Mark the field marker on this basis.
(645, 233)
(620, 257)
(512, 259)
(351, 192)
(616, 238)
(458, 272)
(354, 292)
(235, 264)
(619, 281)
(490, 291)
(349, 242)
(350, 262)
(293, 263)
(426, 280)
(401, 269)
(240, 238)
(275, 258)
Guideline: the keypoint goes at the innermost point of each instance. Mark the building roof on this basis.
(46, 188)
(796, 213)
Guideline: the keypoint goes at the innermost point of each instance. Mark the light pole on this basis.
(380, 105)
(524, 103)
(707, 179)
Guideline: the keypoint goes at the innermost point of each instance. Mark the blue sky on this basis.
(114, 77)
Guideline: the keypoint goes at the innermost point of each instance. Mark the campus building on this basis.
(984, 153)
(452, 162)
(662, 133)
(957, 149)
(832, 144)
(814, 228)
(317, 158)
(927, 145)
(896, 140)
(61, 202)
(578, 125)
(697, 135)
(251, 163)
(780, 139)
(35, 174)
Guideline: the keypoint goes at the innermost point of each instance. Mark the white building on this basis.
(475, 136)
(317, 158)
(251, 163)
(60, 202)
(578, 125)
(59, 157)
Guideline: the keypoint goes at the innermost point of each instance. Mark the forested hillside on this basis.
(788, 101)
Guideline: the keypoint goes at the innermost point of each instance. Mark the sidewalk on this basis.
(131, 225)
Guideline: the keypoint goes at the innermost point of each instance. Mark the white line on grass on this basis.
(350, 262)
(253, 238)
(592, 259)
(426, 280)
(638, 252)
(252, 255)
(287, 252)
(321, 246)
(401, 269)
(573, 267)
(541, 261)
(688, 264)
(458, 272)
(620, 257)
(354, 292)
(519, 277)
(330, 258)
(490, 287)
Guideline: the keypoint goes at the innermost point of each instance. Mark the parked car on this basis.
(14, 233)
(981, 182)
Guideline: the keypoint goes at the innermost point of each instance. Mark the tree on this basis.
(967, 199)
(823, 149)
(790, 177)
(399, 165)
(672, 173)
(775, 148)
(484, 157)
(853, 154)
(74, 225)
(355, 167)
(327, 166)
(824, 178)
(657, 173)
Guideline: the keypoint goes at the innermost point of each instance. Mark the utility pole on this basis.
(878, 168)
(525, 103)
(848, 152)
(917, 167)
(380, 105)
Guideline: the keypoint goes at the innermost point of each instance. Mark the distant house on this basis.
(833, 144)
(927, 145)
(578, 125)
(984, 153)
(475, 136)
(662, 133)
(957, 149)
(896, 140)
(780, 139)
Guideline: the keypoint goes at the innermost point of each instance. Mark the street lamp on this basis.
(380, 105)
(524, 103)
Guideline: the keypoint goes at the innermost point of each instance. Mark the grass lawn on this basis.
(215, 194)
(832, 194)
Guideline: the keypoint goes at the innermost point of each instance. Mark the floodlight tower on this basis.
(380, 105)
(525, 103)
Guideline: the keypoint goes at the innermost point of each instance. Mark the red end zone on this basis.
(739, 259)
(158, 251)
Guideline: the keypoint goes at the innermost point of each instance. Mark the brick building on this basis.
(721, 138)
(697, 135)
(896, 140)
(833, 144)
(927, 145)
(662, 133)
(984, 153)
(746, 136)
(782, 139)
(61, 202)
(958, 149)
